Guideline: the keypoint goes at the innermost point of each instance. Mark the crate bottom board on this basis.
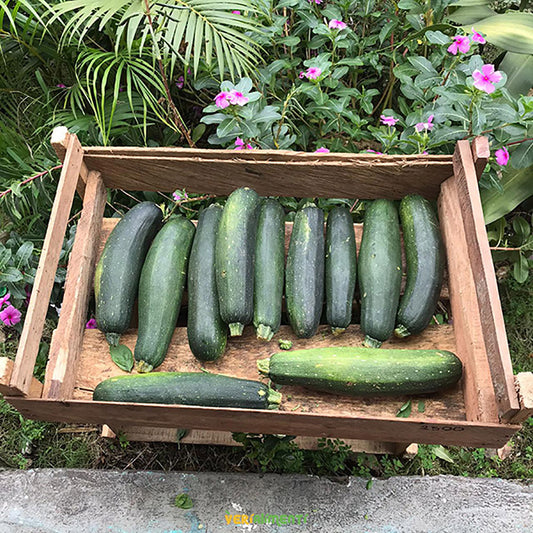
(241, 355)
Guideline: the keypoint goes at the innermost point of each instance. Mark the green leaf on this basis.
(437, 37)
(197, 132)
(23, 254)
(521, 268)
(369, 484)
(10, 275)
(442, 453)
(121, 355)
(405, 410)
(3, 291)
(422, 64)
(519, 70)
(421, 406)
(183, 501)
(471, 14)
(522, 157)
(521, 227)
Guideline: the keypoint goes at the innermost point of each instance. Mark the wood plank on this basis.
(241, 356)
(44, 278)
(59, 141)
(6, 369)
(524, 386)
(225, 438)
(67, 340)
(431, 431)
(480, 401)
(485, 283)
(338, 175)
(480, 154)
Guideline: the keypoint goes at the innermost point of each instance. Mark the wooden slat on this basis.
(480, 154)
(59, 141)
(67, 340)
(485, 281)
(431, 431)
(524, 386)
(44, 278)
(6, 369)
(270, 173)
(480, 402)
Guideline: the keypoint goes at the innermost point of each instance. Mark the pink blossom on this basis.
(388, 120)
(421, 126)
(301, 75)
(237, 98)
(461, 43)
(221, 99)
(322, 150)
(239, 145)
(318, 2)
(91, 324)
(180, 82)
(10, 316)
(236, 12)
(336, 24)
(477, 37)
(312, 73)
(484, 80)
(5, 299)
(502, 156)
(374, 152)
(61, 86)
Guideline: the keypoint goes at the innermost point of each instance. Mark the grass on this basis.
(26, 443)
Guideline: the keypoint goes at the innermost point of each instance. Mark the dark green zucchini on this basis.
(359, 371)
(187, 388)
(116, 279)
(206, 331)
(160, 291)
(380, 271)
(341, 268)
(304, 283)
(269, 268)
(424, 255)
(234, 259)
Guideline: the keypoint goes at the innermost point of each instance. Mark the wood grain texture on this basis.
(492, 323)
(6, 369)
(339, 425)
(67, 339)
(44, 278)
(480, 154)
(480, 401)
(270, 172)
(524, 387)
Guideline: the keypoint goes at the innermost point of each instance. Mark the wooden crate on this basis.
(484, 409)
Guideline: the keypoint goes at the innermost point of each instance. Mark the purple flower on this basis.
(61, 86)
(180, 82)
(484, 80)
(322, 150)
(421, 126)
(10, 316)
(461, 43)
(477, 37)
(388, 121)
(502, 156)
(374, 152)
(221, 99)
(5, 299)
(336, 24)
(91, 324)
(237, 98)
(236, 12)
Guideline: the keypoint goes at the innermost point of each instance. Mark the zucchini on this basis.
(187, 388)
(304, 284)
(269, 268)
(234, 259)
(160, 291)
(357, 371)
(424, 255)
(380, 271)
(117, 274)
(341, 268)
(206, 331)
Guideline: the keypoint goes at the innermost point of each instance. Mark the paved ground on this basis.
(66, 501)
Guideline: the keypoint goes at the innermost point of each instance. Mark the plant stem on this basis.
(178, 120)
(7, 191)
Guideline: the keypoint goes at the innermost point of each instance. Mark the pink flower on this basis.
(461, 44)
(237, 98)
(483, 80)
(180, 82)
(91, 324)
(236, 12)
(312, 73)
(502, 156)
(318, 2)
(178, 197)
(61, 86)
(421, 126)
(239, 145)
(5, 299)
(477, 37)
(301, 75)
(388, 121)
(322, 150)
(374, 152)
(10, 316)
(221, 99)
(336, 24)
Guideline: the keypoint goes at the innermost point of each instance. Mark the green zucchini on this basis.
(206, 331)
(160, 291)
(341, 268)
(269, 267)
(234, 259)
(304, 284)
(380, 271)
(424, 255)
(116, 279)
(187, 388)
(357, 371)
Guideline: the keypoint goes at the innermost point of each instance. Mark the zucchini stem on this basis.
(143, 367)
(264, 333)
(274, 398)
(372, 343)
(236, 329)
(337, 331)
(112, 338)
(401, 331)
(263, 365)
